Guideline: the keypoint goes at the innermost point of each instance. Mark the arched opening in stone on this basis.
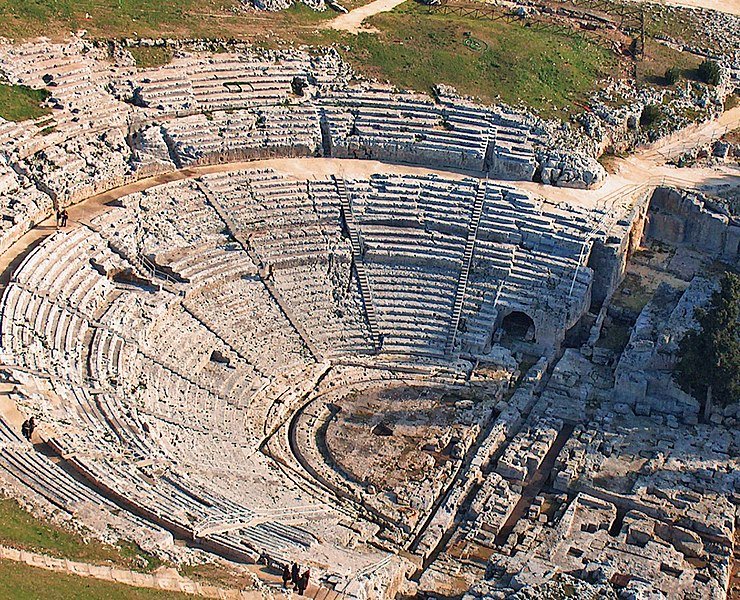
(519, 326)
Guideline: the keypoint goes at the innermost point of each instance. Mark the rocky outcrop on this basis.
(690, 219)
(573, 170)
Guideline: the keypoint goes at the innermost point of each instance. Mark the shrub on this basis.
(651, 116)
(672, 75)
(709, 72)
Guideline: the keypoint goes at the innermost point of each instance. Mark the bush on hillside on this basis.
(651, 116)
(672, 75)
(710, 72)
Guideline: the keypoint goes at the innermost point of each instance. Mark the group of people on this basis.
(62, 217)
(291, 575)
(27, 428)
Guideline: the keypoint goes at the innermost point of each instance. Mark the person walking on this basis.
(65, 216)
(286, 576)
(294, 573)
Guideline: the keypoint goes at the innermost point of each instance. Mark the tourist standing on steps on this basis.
(286, 576)
(31, 427)
(302, 584)
(65, 216)
(305, 577)
(24, 430)
(294, 573)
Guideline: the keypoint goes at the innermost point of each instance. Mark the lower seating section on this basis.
(413, 232)
(161, 395)
(138, 378)
(526, 259)
(19, 464)
(295, 229)
(175, 228)
(242, 313)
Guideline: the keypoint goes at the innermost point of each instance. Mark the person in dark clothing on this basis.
(24, 430)
(302, 584)
(31, 427)
(65, 216)
(306, 577)
(286, 576)
(59, 217)
(294, 573)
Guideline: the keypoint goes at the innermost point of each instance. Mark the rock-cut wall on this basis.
(691, 219)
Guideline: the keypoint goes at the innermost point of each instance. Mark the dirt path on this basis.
(645, 165)
(727, 6)
(352, 21)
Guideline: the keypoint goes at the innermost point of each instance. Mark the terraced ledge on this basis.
(166, 579)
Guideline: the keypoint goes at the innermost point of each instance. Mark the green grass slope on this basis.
(18, 102)
(21, 582)
(19, 529)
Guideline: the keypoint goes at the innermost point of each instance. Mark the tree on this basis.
(710, 72)
(672, 75)
(710, 356)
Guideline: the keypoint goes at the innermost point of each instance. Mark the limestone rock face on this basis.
(572, 170)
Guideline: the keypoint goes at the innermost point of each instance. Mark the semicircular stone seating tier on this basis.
(162, 384)
(111, 124)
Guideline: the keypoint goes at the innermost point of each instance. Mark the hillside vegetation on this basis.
(22, 582)
(18, 102)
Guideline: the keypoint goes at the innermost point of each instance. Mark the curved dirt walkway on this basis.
(727, 6)
(645, 165)
(352, 21)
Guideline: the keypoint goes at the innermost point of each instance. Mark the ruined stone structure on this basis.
(399, 379)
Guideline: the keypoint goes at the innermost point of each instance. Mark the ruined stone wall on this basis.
(609, 255)
(691, 219)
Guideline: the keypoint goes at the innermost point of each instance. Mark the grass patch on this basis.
(151, 18)
(547, 71)
(18, 102)
(659, 58)
(216, 574)
(148, 57)
(19, 529)
(614, 337)
(21, 582)
(732, 101)
(632, 294)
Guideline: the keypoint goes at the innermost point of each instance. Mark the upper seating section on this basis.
(385, 124)
(21, 205)
(77, 75)
(208, 83)
(111, 124)
(245, 134)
